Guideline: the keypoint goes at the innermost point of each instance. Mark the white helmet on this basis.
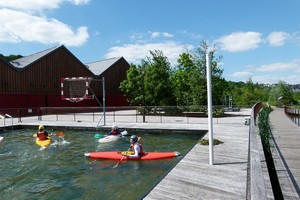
(114, 127)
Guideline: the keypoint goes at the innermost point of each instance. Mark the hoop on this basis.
(75, 89)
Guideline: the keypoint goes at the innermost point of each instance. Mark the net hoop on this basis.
(77, 91)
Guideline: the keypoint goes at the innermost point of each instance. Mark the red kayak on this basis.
(115, 155)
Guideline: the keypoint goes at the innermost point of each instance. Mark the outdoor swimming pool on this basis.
(63, 172)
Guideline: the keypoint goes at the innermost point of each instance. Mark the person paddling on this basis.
(115, 131)
(42, 134)
(136, 147)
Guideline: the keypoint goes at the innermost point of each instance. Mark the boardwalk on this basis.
(193, 178)
(286, 136)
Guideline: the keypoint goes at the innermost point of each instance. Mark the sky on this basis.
(258, 39)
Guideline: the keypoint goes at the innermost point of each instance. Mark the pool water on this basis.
(61, 171)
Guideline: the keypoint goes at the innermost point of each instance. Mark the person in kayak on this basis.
(136, 147)
(42, 134)
(115, 131)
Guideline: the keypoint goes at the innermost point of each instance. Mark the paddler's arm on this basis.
(136, 152)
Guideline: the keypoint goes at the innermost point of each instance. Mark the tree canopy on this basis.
(155, 83)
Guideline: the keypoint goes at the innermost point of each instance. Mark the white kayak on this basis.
(109, 138)
(1, 138)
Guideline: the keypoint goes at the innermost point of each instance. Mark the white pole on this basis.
(209, 109)
(103, 94)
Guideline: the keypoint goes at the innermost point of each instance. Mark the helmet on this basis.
(134, 138)
(41, 127)
(114, 127)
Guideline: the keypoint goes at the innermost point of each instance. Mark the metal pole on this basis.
(103, 84)
(209, 109)
(143, 79)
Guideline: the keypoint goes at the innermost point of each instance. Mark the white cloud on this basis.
(272, 79)
(277, 38)
(37, 5)
(192, 35)
(133, 53)
(19, 26)
(79, 2)
(24, 21)
(30, 5)
(278, 67)
(240, 41)
(244, 74)
(161, 34)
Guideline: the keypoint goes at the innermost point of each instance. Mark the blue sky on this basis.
(258, 39)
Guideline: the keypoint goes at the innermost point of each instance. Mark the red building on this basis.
(35, 80)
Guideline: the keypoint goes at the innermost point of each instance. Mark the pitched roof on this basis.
(98, 67)
(26, 60)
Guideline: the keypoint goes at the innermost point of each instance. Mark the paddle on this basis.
(117, 165)
(98, 135)
(60, 134)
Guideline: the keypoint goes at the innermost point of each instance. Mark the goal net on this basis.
(75, 89)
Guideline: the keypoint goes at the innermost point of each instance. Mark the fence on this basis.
(154, 114)
(293, 114)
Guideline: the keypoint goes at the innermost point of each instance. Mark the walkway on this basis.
(286, 136)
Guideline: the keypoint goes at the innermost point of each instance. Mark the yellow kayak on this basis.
(43, 143)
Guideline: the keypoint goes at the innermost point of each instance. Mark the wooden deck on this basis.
(193, 177)
(286, 153)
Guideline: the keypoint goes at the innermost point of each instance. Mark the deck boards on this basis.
(194, 178)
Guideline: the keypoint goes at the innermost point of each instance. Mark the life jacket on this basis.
(42, 135)
(114, 132)
(141, 153)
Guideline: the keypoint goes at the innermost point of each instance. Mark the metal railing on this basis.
(4, 120)
(293, 114)
(148, 114)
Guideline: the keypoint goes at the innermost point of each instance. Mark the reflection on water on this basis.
(62, 172)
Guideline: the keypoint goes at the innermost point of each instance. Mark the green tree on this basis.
(10, 57)
(132, 87)
(157, 80)
(182, 79)
(149, 83)
(282, 89)
(189, 77)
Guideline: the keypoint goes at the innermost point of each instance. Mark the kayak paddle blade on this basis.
(60, 134)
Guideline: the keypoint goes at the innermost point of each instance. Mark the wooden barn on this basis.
(35, 80)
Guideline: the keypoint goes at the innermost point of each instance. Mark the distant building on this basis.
(295, 87)
(35, 80)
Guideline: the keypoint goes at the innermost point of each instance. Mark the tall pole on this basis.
(103, 90)
(143, 79)
(209, 109)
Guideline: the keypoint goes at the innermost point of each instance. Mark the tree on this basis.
(157, 80)
(132, 86)
(281, 89)
(149, 83)
(10, 57)
(181, 79)
(189, 78)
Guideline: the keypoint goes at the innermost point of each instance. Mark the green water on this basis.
(62, 171)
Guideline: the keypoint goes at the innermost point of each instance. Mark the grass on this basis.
(206, 142)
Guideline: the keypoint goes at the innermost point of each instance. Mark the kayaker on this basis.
(115, 131)
(136, 147)
(42, 134)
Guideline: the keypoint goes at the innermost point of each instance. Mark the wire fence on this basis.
(128, 114)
